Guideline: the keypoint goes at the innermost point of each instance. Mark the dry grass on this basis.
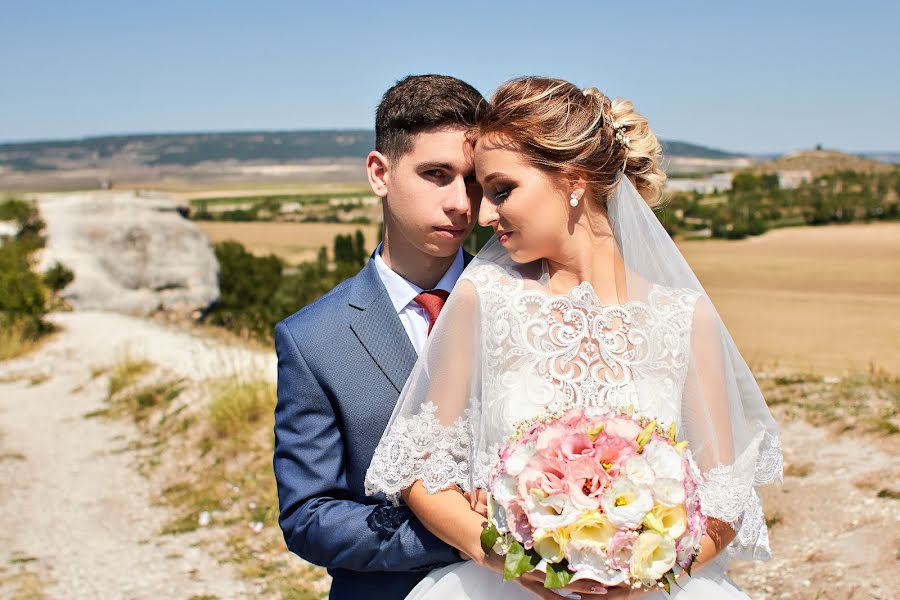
(293, 242)
(207, 448)
(867, 403)
(821, 299)
(15, 343)
(125, 373)
(238, 407)
(23, 579)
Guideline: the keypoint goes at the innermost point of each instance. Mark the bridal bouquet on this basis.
(598, 495)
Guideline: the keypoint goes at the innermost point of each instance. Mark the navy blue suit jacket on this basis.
(342, 362)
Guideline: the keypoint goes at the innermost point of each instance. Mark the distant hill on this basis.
(688, 150)
(888, 157)
(820, 162)
(190, 149)
(186, 149)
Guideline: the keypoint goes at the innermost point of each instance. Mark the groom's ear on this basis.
(378, 172)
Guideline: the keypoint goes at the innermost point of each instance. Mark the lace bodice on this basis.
(549, 352)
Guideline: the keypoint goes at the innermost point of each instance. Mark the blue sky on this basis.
(751, 76)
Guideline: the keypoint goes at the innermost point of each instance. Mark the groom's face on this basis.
(432, 196)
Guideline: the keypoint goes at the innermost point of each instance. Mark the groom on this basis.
(343, 360)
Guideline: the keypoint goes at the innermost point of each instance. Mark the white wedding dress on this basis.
(506, 349)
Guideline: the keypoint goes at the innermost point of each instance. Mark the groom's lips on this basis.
(451, 233)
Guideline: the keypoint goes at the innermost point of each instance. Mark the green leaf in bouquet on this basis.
(489, 537)
(558, 575)
(519, 560)
(669, 580)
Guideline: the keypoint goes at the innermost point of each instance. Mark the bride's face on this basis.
(527, 207)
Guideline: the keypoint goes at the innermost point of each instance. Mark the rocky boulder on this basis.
(131, 252)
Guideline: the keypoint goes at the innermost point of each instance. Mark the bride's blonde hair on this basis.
(576, 133)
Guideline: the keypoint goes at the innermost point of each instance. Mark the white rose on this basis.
(551, 512)
(668, 491)
(639, 471)
(588, 563)
(517, 461)
(652, 555)
(664, 460)
(505, 488)
(625, 504)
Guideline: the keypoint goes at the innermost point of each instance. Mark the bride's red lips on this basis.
(503, 236)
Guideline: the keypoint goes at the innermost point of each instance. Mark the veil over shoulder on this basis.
(506, 349)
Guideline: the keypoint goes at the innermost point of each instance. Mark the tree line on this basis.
(756, 203)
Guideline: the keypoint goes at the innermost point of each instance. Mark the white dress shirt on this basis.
(403, 296)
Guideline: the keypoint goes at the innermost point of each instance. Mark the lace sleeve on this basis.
(731, 434)
(433, 433)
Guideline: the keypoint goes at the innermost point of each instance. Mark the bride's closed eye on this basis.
(501, 195)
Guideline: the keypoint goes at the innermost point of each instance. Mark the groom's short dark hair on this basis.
(421, 103)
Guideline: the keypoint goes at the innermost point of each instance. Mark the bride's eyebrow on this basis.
(494, 175)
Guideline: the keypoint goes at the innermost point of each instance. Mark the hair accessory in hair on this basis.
(619, 128)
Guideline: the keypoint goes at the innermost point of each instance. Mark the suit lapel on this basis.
(378, 328)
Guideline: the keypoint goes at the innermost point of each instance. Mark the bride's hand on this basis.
(480, 501)
(622, 592)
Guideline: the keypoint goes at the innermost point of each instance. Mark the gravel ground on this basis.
(76, 519)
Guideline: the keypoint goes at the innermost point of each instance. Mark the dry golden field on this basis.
(823, 299)
(293, 242)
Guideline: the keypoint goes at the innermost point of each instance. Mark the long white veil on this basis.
(506, 349)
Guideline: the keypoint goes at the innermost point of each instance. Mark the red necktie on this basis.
(432, 301)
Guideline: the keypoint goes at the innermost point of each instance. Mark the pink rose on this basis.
(585, 480)
(623, 427)
(576, 445)
(618, 550)
(611, 451)
(545, 473)
(517, 521)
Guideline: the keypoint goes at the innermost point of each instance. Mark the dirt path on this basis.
(76, 519)
(833, 535)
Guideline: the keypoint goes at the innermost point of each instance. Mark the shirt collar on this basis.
(402, 292)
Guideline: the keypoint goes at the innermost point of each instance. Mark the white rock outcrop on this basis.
(131, 252)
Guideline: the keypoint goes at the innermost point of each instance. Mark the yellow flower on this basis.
(667, 520)
(551, 544)
(592, 529)
(651, 556)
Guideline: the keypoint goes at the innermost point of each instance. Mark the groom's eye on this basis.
(436, 175)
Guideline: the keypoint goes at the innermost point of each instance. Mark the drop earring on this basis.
(573, 199)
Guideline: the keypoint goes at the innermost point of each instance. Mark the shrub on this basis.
(57, 277)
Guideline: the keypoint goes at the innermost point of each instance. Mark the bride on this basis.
(580, 299)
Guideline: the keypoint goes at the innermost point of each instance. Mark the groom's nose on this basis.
(457, 198)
